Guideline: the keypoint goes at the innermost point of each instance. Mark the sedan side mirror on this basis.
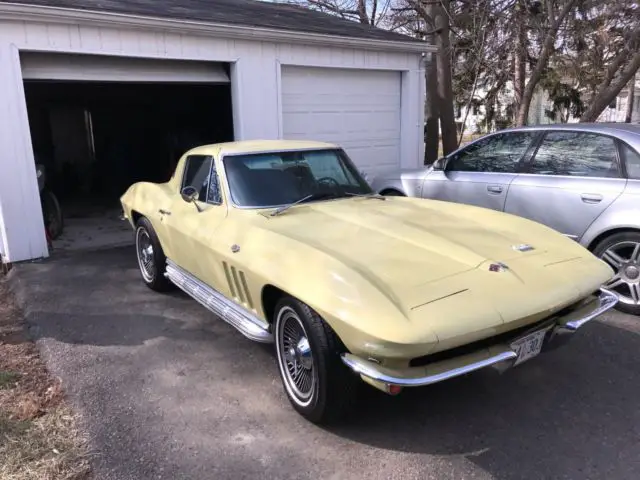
(440, 164)
(189, 194)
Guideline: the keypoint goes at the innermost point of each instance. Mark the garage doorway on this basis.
(96, 133)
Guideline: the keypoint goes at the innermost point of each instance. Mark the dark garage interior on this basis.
(95, 139)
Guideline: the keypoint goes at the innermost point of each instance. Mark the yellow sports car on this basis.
(286, 241)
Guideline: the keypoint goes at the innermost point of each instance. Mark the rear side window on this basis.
(499, 153)
(631, 159)
(576, 154)
(196, 174)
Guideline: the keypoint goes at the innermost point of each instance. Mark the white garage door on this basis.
(357, 109)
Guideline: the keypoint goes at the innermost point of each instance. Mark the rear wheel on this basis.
(52, 213)
(622, 252)
(319, 386)
(151, 258)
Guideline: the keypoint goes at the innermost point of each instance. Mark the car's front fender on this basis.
(362, 312)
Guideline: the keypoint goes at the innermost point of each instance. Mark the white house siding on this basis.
(255, 96)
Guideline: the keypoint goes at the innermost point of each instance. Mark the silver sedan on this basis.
(582, 180)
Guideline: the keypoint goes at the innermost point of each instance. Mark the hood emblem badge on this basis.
(523, 247)
(498, 267)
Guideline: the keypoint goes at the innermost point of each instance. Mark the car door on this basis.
(480, 173)
(191, 226)
(570, 180)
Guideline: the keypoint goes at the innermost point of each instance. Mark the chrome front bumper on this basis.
(501, 356)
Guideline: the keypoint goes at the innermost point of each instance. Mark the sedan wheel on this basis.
(622, 253)
(319, 386)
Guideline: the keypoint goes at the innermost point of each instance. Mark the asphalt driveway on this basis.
(168, 391)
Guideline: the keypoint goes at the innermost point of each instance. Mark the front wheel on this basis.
(319, 386)
(622, 252)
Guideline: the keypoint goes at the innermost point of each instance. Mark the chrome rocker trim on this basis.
(243, 320)
(501, 356)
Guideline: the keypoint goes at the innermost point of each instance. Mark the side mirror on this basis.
(440, 164)
(189, 194)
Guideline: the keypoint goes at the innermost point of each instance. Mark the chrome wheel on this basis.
(144, 250)
(624, 258)
(295, 358)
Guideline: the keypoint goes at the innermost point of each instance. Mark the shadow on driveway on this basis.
(168, 391)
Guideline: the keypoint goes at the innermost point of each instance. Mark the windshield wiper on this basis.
(313, 196)
(368, 195)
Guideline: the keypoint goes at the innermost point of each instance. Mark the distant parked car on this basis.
(582, 180)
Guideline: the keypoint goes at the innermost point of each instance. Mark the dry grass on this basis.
(39, 439)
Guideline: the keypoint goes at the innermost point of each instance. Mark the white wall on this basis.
(21, 229)
(256, 101)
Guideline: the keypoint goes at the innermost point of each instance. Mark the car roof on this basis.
(629, 132)
(591, 127)
(257, 146)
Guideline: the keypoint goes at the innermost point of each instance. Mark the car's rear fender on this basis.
(622, 214)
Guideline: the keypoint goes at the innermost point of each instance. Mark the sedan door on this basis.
(480, 173)
(570, 180)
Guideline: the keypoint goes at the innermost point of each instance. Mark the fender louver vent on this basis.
(238, 284)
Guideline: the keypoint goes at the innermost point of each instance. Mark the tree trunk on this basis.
(543, 59)
(431, 110)
(520, 56)
(607, 95)
(445, 89)
(631, 97)
(432, 135)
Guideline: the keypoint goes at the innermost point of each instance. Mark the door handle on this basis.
(591, 197)
(494, 188)
(164, 212)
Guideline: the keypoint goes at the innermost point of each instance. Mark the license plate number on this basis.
(528, 347)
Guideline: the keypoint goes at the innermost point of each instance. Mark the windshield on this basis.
(279, 178)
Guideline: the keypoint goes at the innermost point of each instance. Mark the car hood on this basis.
(433, 261)
(401, 242)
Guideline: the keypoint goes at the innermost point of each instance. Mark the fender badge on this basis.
(523, 247)
(498, 267)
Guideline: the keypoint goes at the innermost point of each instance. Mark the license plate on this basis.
(528, 347)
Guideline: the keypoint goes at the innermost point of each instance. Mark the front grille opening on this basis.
(505, 337)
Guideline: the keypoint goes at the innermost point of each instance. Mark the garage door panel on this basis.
(341, 102)
(351, 123)
(102, 68)
(359, 110)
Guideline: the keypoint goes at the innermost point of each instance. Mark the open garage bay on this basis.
(97, 137)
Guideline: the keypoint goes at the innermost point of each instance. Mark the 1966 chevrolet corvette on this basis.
(285, 241)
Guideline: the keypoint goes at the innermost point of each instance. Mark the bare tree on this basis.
(631, 98)
(371, 12)
(550, 31)
(445, 89)
(621, 69)
(609, 93)
(432, 105)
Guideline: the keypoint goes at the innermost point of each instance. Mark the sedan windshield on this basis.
(278, 178)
